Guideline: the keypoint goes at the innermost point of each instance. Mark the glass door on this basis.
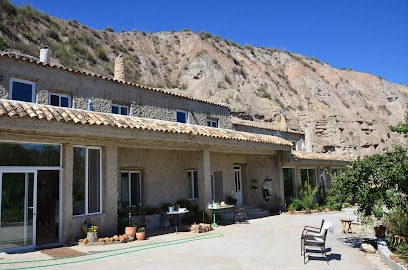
(238, 185)
(17, 209)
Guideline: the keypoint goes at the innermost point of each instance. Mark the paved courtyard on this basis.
(266, 243)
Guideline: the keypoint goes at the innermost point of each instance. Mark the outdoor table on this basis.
(215, 209)
(347, 225)
(177, 214)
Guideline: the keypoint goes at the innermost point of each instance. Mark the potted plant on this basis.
(140, 234)
(379, 227)
(92, 234)
(130, 230)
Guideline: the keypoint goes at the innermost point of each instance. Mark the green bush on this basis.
(296, 205)
(398, 221)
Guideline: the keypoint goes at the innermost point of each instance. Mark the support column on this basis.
(205, 180)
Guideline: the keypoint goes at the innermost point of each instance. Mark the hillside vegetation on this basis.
(349, 111)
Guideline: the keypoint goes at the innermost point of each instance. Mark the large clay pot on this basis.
(130, 231)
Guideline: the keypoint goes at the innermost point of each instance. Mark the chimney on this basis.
(308, 138)
(283, 125)
(119, 70)
(45, 55)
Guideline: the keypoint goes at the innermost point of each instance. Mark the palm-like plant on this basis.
(306, 194)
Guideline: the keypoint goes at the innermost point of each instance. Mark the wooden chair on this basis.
(316, 241)
(308, 232)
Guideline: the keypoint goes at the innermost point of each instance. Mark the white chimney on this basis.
(308, 138)
(45, 55)
(119, 69)
(283, 125)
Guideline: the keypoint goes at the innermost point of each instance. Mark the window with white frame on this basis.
(120, 109)
(60, 100)
(22, 90)
(192, 184)
(87, 180)
(212, 123)
(131, 188)
(181, 116)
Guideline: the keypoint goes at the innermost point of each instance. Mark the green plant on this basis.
(132, 223)
(398, 221)
(93, 228)
(141, 229)
(307, 193)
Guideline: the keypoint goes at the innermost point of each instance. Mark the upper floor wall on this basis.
(32, 81)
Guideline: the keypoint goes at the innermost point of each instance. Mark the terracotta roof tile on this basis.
(319, 156)
(50, 113)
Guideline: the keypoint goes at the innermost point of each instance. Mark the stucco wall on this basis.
(142, 102)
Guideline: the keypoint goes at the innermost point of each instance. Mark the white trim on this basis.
(25, 82)
(129, 199)
(191, 182)
(59, 99)
(86, 213)
(186, 114)
(119, 107)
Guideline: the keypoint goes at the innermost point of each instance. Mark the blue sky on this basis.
(365, 35)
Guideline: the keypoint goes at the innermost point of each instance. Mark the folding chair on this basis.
(316, 241)
(309, 231)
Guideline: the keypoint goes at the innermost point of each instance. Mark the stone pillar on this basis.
(67, 226)
(119, 69)
(205, 180)
(308, 138)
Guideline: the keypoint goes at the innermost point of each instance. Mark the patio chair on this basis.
(316, 241)
(240, 215)
(309, 231)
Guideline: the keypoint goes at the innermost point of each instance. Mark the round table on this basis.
(347, 225)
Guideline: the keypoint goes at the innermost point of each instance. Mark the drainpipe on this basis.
(89, 104)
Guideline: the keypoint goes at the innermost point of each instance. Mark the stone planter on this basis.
(92, 237)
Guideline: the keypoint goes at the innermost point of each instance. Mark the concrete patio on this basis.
(265, 243)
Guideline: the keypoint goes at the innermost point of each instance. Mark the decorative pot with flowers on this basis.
(140, 234)
(92, 234)
(130, 230)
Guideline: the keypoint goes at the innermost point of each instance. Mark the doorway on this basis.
(238, 185)
(17, 208)
(29, 204)
(47, 207)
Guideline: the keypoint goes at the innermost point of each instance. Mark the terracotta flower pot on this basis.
(140, 235)
(130, 231)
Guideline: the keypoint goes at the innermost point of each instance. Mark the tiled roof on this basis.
(21, 109)
(35, 61)
(261, 125)
(319, 156)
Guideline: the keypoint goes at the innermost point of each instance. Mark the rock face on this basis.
(348, 112)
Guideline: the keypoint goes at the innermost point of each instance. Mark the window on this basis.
(181, 116)
(87, 183)
(212, 123)
(289, 183)
(30, 154)
(120, 109)
(22, 90)
(294, 145)
(192, 184)
(131, 191)
(60, 100)
(308, 176)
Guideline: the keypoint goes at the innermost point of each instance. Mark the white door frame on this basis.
(33, 207)
(238, 185)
